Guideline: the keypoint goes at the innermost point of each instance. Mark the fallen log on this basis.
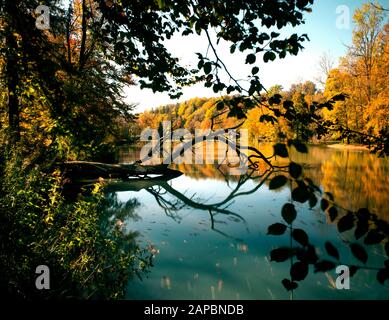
(87, 171)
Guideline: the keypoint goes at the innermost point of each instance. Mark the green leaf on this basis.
(276, 229)
(300, 236)
(373, 237)
(280, 254)
(359, 252)
(268, 118)
(333, 213)
(324, 204)
(277, 182)
(295, 170)
(276, 99)
(353, 270)
(339, 97)
(312, 201)
(308, 255)
(345, 223)
(331, 250)
(382, 226)
(301, 194)
(254, 70)
(289, 212)
(207, 67)
(161, 4)
(300, 147)
(329, 195)
(220, 105)
(333, 216)
(299, 271)
(281, 150)
(269, 56)
(250, 59)
(287, 104)
(361, 229)
(363, 214)
(289, 285)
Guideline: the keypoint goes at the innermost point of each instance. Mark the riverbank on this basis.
(348, 146)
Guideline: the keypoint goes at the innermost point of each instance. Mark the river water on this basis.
(208, 230)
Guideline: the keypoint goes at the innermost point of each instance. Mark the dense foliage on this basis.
(361, 116)
(62, 98)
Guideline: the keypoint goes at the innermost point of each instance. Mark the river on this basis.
(208, 230)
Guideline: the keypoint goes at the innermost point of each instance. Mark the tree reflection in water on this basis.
(359, 228)
(348, 175)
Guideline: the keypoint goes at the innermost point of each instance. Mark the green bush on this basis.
(89, 256)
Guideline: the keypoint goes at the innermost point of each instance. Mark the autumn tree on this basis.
(325, 64)
(63, 73)
(361, 75)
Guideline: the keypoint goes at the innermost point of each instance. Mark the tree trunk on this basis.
(87, 171)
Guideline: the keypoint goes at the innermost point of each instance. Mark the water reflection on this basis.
(233, 261)
(357, 179)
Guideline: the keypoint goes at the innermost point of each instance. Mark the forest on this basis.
(64, 119)
(362, 75)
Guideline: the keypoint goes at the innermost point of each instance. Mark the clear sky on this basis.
(327, 27)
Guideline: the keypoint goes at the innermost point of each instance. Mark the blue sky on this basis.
(321, 27)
